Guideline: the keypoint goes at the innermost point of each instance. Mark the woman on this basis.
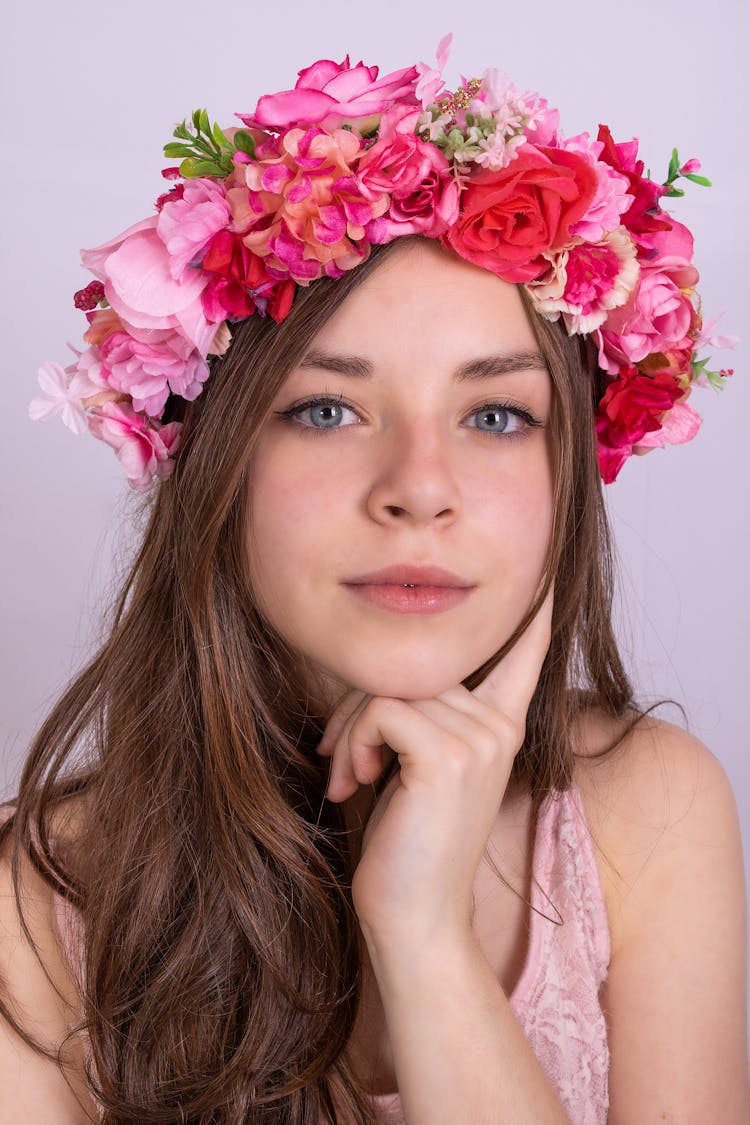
(354, 814)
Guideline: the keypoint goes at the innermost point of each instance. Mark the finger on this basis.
(348, 771)
(337, 720)
(511, 684)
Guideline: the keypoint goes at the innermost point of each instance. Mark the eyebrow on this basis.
(485, 367)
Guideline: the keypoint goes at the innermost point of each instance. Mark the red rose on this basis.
(240, 284)
(633, 405)
(509, 218)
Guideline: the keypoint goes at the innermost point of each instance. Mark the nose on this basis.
(413, 480)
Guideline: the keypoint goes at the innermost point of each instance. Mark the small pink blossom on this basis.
(186, 225)
(145, 448)
(333, 94)
(431, 80)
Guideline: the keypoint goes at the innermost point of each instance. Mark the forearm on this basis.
(458, 1049)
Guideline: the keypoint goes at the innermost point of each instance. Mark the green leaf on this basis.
(174, 149)
(244, 142)
(205, 125)
(698, 179)
(674, 192)
(183, 132)
(196, 119)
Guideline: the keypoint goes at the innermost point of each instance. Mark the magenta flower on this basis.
(332, 94)
(144, 448)
(424, 196)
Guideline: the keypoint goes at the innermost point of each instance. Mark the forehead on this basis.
(425, 300)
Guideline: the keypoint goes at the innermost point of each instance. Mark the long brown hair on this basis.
(222, 961)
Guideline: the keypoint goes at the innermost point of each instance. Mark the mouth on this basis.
(411, 589)
(410, 577)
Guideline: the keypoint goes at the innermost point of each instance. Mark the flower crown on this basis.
(346, 159)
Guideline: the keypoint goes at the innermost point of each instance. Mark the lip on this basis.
(403, 574)
(404, 588)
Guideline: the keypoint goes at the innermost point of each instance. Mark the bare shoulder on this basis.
(666, 830)
(38, 989)
(659, 794)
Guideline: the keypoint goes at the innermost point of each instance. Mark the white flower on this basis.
(57, 399)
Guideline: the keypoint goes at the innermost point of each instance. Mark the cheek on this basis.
(291, 506)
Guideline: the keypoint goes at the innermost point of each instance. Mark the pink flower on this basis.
(309, 211)
(144, 448)
(188, 224)
(656, 319)
(430, 80)
(424, 197)
(332, 94)
(148, 369)
(138, 283)
(588, 281)
(58, 398)
(611, 198)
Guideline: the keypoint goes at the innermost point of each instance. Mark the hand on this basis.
(427, 835)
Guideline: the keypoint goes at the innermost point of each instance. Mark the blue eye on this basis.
(496, 419)
(325, 411)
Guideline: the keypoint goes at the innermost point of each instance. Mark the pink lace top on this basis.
(556, 1000)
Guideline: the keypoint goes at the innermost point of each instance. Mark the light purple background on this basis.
(91, 94)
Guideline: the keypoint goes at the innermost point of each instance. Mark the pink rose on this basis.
(656, 319)
(138, 283)
(147, 370)
(144, 448)
(424, 197)
(331, 94)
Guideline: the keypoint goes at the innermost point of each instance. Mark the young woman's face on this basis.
(412, 464)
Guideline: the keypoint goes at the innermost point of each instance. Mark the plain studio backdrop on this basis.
(91, 95)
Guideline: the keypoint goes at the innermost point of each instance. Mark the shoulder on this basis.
(666, 832)
(38, 989)
(659, 797)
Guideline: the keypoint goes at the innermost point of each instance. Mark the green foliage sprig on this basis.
(205, 149)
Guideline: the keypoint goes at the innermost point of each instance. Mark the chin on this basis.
(410, 681)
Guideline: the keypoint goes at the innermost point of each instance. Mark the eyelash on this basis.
(337, 400)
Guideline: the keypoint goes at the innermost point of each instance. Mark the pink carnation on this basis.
(147, 370)
(424, 196)
(144, 448)
(307, 209)
(332, 94)
(588, 281)
(187, 224)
